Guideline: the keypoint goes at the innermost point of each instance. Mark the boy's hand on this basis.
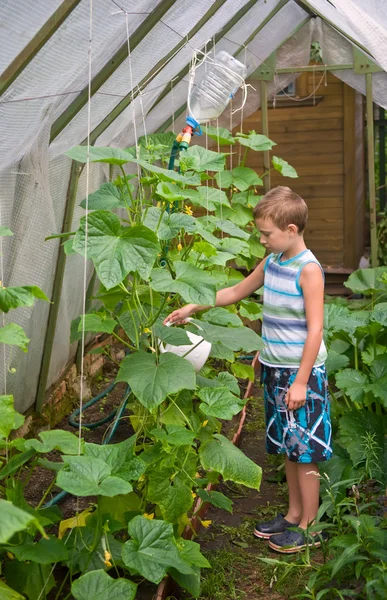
(180, 316)
(296, 396)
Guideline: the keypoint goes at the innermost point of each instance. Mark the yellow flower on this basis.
(205, 423)
(197, 475)
(193, 494)
(179, 247)
(158, 204)
(107, 558)
(170, 205)
(10, 555)
(206, 524)
(150, 517)
(147, 330)
(188, 210)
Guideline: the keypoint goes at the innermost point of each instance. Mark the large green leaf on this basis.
(378, 386)
(116, 250)
(108, 196)
(222, 316)
(216, 499)
(210, 198)
(220, 402)
(340, 318)
(167, 225)
(243, 371)
(283, 167)
(152, 549)
(152, 381)
(222, 456)
(96, 322)
(366, 281)
(29, 578)
(13, 297)
(6, 593)
(168, 175)
(336, 362)
(255, 141)
(172, 335)
(224, 179)
(14, 335)
(10, 419)
(14, 463)
(235, 338)
(234, 245)
(113, 156)
(173, 497)
(200, 159)
(171, 192)
(219, 134)
(5, 231)
(229, 227)
(379, 314)
(250, 310)
(44, 552)
(175, 435)
(98, 585)
(14, 519)
(89, 476)
(193, 284)
(353, 383)
(244, 177)
(238, 214)
(57, 439)
(120, 458)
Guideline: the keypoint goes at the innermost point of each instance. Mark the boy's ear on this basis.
(293, 229)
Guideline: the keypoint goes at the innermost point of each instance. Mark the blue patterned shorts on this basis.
(303, 434)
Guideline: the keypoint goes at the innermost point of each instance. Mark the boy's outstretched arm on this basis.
(312, 285)
(224, 297)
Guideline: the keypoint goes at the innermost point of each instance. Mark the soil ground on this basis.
(238, 573)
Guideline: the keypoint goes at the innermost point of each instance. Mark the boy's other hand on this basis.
(180, 316)
(296, 396)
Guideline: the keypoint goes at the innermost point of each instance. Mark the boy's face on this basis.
(275, 239)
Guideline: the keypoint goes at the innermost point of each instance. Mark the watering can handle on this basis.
(188, 319)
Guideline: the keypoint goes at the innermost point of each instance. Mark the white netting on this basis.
(19, 23)
(34, 176)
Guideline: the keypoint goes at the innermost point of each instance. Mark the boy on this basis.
(293, 372)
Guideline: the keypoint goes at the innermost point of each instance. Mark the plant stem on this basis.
(48, 490)
(245, 154)
(62, 586)
(123, 341)
(182, 414)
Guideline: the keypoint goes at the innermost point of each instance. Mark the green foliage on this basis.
(150, 261)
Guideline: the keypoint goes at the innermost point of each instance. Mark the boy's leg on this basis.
(295, 511)
(309, 488)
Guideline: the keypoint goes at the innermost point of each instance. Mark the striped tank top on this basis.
(284, 327)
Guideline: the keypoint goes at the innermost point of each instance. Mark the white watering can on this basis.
(196, 357)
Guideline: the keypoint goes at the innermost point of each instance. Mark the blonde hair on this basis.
(284, 207)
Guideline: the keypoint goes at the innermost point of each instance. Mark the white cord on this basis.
(86, 227)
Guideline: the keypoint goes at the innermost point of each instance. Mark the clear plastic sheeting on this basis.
(34, 173)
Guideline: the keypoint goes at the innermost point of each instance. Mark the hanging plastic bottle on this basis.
(209, 95)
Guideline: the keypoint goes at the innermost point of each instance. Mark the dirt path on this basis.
(229, 544)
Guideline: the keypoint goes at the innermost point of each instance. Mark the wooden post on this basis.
(76, 170)
(265, 131)
(371, 170)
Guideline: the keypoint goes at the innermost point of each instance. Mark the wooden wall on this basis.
(324, 143)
